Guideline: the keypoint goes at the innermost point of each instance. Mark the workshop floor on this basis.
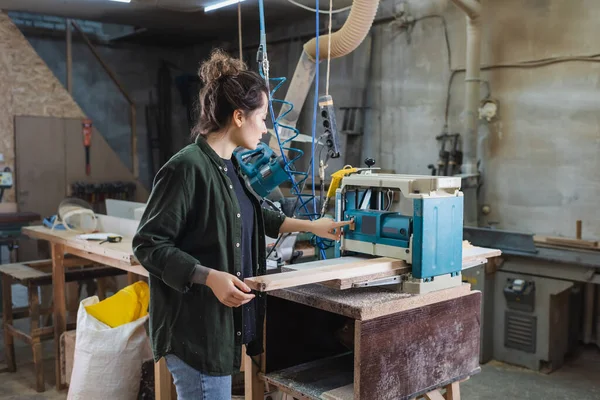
(578, 379)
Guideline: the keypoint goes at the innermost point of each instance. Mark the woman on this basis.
(203, 232)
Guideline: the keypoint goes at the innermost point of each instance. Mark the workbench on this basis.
(366, 343)
(117, 255)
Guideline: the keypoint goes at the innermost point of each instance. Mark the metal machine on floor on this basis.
(532, 301)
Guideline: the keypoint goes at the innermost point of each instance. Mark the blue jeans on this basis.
(194, 385)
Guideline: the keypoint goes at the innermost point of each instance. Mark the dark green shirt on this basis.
(193, 217)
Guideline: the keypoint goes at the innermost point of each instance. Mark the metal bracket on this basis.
(392, 280)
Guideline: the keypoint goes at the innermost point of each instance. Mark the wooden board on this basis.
(347, 270)
(346, 283)
(413, 352)
(311, 380)
(566, 242)
(118, 251)
(366, 303)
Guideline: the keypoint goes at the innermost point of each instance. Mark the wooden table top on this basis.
(365, 303)
(122, 251)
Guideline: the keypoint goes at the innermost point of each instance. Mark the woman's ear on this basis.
(238, 118)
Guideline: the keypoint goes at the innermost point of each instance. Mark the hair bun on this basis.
(220, 64)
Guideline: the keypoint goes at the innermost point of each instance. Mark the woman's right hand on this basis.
(228, 288)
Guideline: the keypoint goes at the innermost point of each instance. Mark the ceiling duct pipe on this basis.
(343, 42)
(473, 10)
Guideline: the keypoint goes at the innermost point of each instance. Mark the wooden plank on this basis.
(453, 391)
(434, 395)
(471, 253)
(342, 393)
(566, 242)
(101, 259)
(7, 319)
(254, 388)
(410, 353)
(297, 278)
(346, 283)
(365, 303)
(310, 380)
(572, 242)
(18, 334)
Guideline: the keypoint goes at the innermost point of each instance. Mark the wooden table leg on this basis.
(453, 391)
(254, 387)
(60, 306)
(36, 342)
(132, 278)
(162, 381)
(7, 316)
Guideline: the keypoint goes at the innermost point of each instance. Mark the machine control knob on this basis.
(370, 162)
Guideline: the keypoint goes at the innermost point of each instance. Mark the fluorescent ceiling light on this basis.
(122, 1)
(221, 4)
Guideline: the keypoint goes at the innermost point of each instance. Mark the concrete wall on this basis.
(541, 156)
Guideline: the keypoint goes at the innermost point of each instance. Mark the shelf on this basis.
(313, 379)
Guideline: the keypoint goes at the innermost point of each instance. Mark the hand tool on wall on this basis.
(87, 142)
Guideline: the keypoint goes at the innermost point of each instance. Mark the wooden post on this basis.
(254, 386)
(36, 341)
(60, 306)
(132, 278)
(453, 391)
(7, 317)
(135, 165)
(69, 57)
(162, 381)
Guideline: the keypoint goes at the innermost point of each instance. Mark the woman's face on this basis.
(251, 127)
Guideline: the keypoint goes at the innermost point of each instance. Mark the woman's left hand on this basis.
(328, 228)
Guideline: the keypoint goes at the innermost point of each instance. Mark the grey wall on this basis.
(540, 157)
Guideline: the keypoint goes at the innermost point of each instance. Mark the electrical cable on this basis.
(240, 29)
(315, 106)
(524, 64)
(262, 59)
(339, 10)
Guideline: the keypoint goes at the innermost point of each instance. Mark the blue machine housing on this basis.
(436, 227)
(381, 227)
(438, 236)
(263, 168)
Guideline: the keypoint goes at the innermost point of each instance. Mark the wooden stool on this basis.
(32, 275)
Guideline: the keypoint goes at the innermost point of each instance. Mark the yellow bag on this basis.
(125, 306)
